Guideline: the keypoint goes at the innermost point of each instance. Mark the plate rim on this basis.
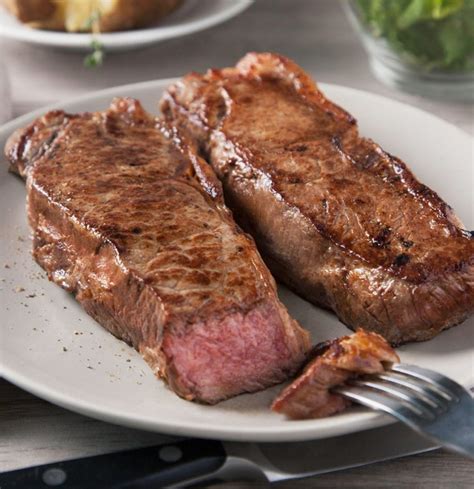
(289, 433)
(122, 39)
(300, 432)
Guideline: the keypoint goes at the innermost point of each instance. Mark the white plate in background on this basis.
(50, 347)
(5, 97)
(192, 16)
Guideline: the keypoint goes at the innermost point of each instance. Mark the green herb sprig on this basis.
(96, 57)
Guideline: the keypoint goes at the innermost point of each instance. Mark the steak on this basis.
(335, 362)
(340, 221)
(127, 217)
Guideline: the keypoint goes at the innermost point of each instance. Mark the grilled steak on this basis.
(126, 217)
(340, 221)
(335, 362)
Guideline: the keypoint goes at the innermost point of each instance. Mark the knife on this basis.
(198, 461)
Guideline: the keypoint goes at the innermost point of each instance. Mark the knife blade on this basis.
(198, 461)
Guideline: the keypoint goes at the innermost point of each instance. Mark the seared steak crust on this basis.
(335, 362)
(339, 220)
(126, 217)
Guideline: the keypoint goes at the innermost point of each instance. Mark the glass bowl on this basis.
(419, 46)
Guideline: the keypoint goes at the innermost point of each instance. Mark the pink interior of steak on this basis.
(239, 352)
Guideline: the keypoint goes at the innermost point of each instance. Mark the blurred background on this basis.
(317, 34)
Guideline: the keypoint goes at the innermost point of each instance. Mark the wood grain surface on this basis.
(317, 35)
(33, 431)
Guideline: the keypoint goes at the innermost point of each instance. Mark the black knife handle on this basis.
(158, 466)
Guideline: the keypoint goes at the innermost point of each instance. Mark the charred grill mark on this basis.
(401, 260)
(370, 160)
(337, 349)
(99, 247)
(382, 240)
(336, 141)
(420, 191)
(30, 141)
(459, 267)
(232, 162)
(47, 143)
(294, 179)
(393, 180)
(109, 229)
(320, 348)
(322, 230)
(300, 148)
(424, 191)
(112, 125)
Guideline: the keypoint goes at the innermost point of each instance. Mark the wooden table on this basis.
(316, 34)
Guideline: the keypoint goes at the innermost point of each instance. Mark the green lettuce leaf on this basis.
(433, 34)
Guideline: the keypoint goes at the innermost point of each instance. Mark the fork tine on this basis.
(404, 394)
(446, 386)
(425, 408)
(399, 409)
(423, 389)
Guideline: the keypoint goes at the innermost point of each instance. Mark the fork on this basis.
(430, 403)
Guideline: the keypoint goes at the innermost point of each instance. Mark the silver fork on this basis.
(426, 401)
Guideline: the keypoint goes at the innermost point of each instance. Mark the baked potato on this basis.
(27, 11)
(90, 15)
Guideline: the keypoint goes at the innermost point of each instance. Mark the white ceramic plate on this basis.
(192, 16)
(51, 348)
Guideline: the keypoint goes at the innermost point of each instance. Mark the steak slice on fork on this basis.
(334, 362)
